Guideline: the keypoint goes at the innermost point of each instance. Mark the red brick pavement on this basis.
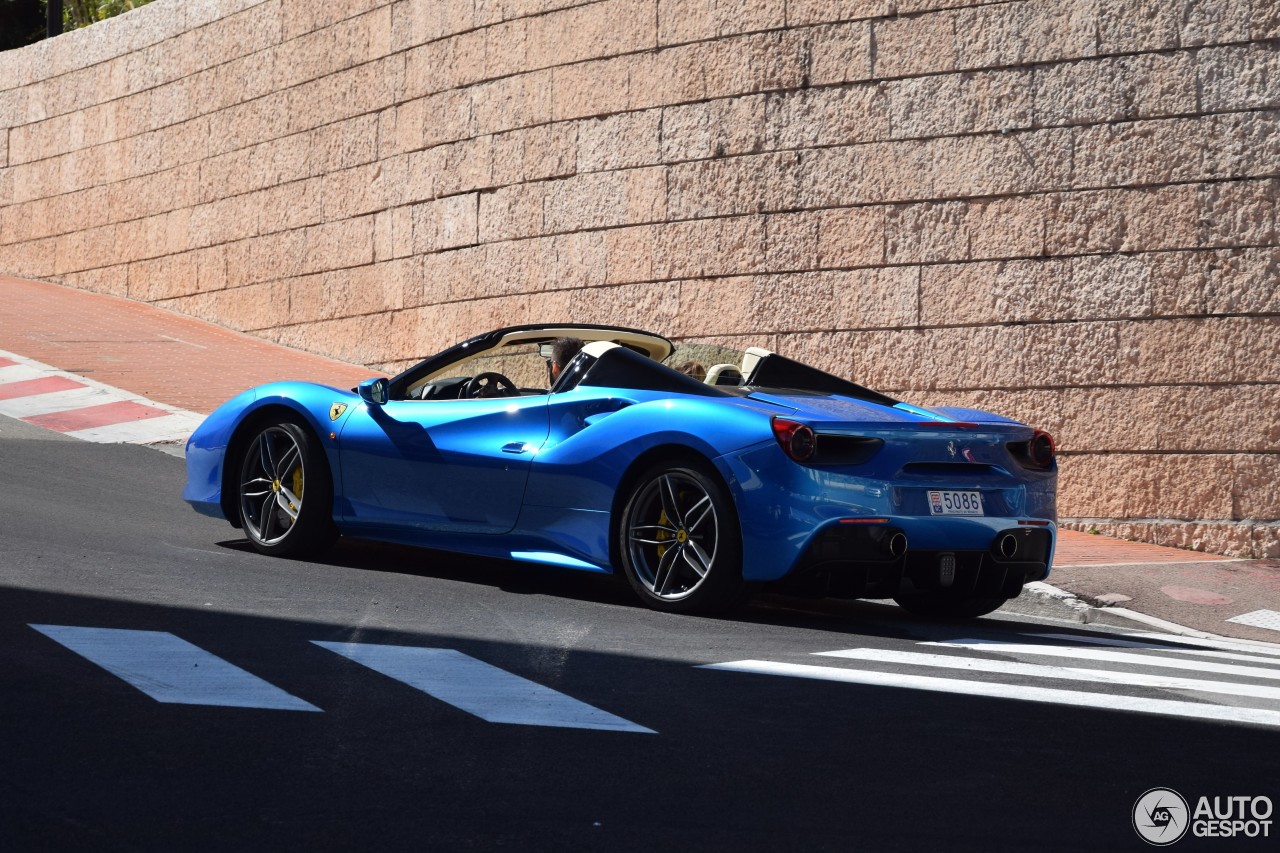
(155, 353)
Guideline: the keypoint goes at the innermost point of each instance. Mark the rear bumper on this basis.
(909, 556)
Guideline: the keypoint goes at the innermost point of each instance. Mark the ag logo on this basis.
(336, 410)
(1160, 816)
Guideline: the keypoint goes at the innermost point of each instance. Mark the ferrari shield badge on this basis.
(336, 410)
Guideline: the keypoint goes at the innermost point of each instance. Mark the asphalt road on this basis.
(686, 758)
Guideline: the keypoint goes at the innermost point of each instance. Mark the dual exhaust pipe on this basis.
(896, 545)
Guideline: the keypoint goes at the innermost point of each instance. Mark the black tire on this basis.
(285, 491)
(680, 542)
(940, 606)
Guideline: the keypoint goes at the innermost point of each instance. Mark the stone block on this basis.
(1131, 26)
(298, 17)
(852, 237)
(280, 255)
(451, 63)
(446, 223)
(699, 20)
(1006, 227)
(335, 245)
(309, 300)
(513, 102)
(161, 278)
(1000, 164)
(1239, 282)
(658, 78)
(1238, 213)
(354, 192)
(927, 233)
(576, 261)
(416, 22)
(511, 212)
(809, 12)
(1024, 33)
(629, 254)
(599, 30)
(464, 166)
(646, 195)
(887, 298)
(916, 44)
(1207, 22)
(821, 117)
(1108, 287)
(1239, 77)
(627, 140)
(722, 187)
(113, 281)
(951, 104)
(343, 144)
(754, 63)
(1242, 145)
(1133, 220)
(550, 151)
(1255, 488)
(1139, 153)
(791, 242)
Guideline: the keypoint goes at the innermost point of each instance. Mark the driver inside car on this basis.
(562, 351)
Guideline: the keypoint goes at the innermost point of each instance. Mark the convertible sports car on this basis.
(699, 483)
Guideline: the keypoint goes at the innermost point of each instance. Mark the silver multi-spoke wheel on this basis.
(273, 479)
(680, 541)
(286, 496)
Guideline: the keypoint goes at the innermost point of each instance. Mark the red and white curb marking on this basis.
(73, 405)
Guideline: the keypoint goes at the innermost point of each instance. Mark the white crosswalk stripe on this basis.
(1133, 669)
(169, 669)
(478, 688)
(172, 670)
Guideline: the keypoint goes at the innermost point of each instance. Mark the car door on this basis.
(457, 466)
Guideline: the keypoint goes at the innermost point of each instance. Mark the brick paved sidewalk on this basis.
(190, 364)
(176, 360)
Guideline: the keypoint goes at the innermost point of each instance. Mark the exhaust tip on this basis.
(1008, 546)
(897, 544)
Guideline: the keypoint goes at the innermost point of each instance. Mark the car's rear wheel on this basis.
(286, 493)
(941, 606)
(680, 541)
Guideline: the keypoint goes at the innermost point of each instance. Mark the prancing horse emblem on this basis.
(336, 410)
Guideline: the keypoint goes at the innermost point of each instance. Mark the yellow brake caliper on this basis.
(663, 535)
(297, 488)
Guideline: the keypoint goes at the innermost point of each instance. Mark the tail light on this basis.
(1040, 449)
(797, 439)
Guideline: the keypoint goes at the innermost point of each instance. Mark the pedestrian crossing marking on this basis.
(1032, 670)
(478, 688)
(171, 670)
(1010, 648)
(1152, 646)
(997, 690)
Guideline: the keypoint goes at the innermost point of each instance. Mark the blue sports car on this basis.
(698, 472)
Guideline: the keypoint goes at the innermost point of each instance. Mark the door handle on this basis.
(514, 447)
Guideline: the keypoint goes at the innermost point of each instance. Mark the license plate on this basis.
(955, 503)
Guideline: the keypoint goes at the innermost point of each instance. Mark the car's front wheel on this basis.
(680, 541)
(286, 493)
(941, 606)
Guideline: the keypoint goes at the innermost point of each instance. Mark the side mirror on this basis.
(374, 391)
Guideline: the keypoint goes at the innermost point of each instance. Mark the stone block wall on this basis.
(1064, 210)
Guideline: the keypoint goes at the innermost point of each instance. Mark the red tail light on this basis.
(1041, 449)
(797, 439)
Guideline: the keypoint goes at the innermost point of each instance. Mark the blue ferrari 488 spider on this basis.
(698, 472)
